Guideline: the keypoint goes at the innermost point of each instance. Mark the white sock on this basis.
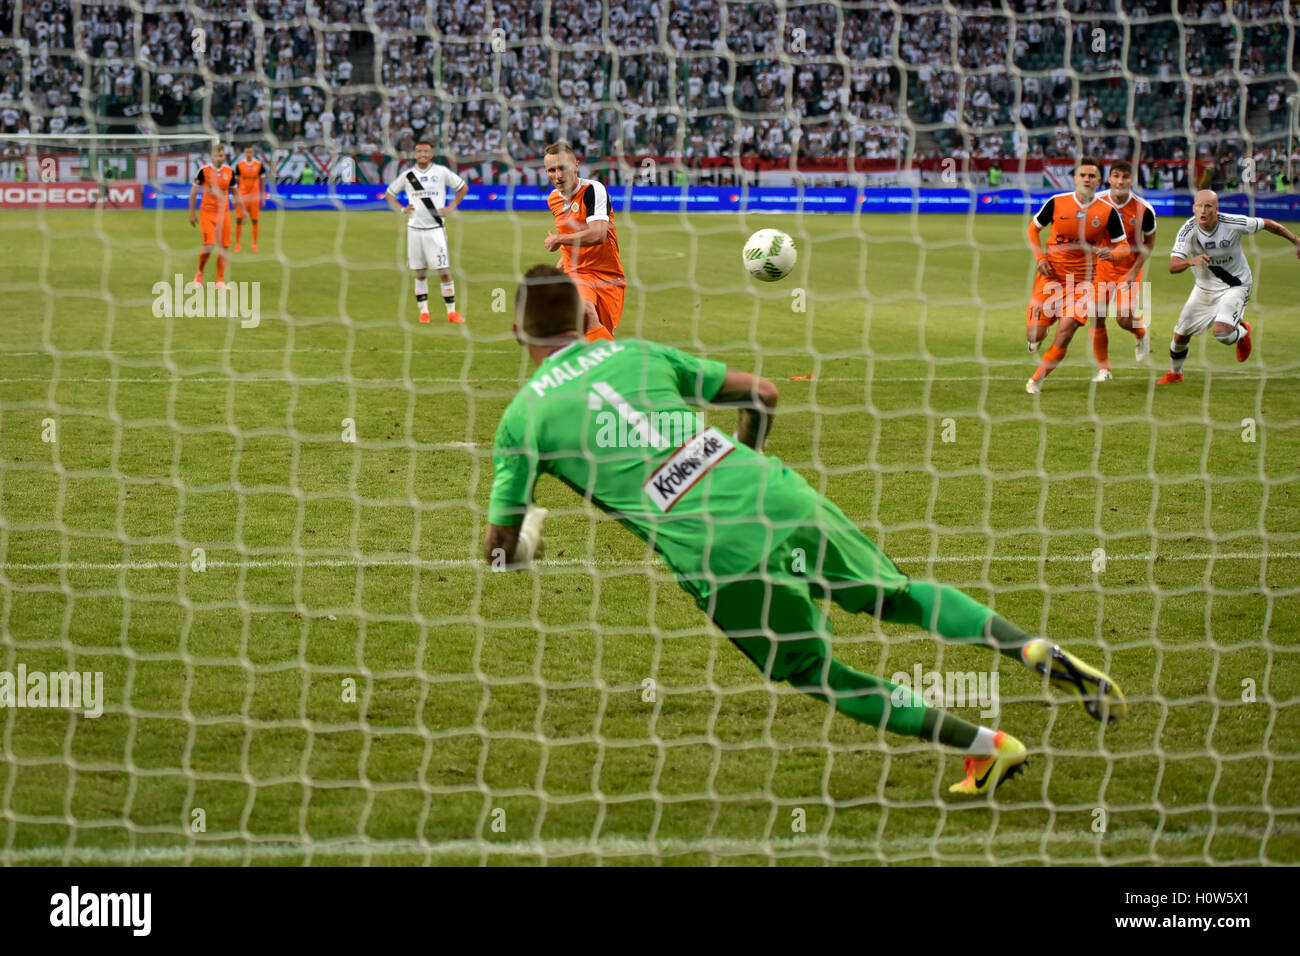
(1176, 359)
(983, 745)
(422, 294)
(449, 296)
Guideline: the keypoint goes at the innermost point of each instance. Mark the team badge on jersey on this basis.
(1095, 223)
(574, 207)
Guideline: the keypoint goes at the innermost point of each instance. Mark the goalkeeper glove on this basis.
(531, 545)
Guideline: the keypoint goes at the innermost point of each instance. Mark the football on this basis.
(769, 255)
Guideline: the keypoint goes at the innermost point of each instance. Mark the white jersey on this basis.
(426, 189)
(1228, 268)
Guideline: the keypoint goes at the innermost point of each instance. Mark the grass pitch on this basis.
(506, 718)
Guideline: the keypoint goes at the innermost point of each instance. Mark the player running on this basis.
(213, 218)
(1121, 282)
(250, 177)
(425, 185)
(1081, 228)
(1210, 245)
(749, 539)
(586, 238)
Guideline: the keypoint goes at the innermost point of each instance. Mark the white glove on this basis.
(530, 543)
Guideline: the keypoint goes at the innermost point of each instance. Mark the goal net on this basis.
(244, 489)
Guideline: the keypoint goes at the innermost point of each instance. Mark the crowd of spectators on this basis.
(696, 79)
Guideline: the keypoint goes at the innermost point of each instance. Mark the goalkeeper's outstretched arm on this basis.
(757, 398)
(514, 546)
(500, 542)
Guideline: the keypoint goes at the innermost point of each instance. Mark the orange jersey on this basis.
(215, 188)
(1139, 221)
(590, 203)
(1075, 232)
(249, 176)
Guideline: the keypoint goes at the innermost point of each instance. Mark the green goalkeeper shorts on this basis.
(774, 616)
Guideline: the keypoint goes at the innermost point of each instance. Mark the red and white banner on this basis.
(1060, 175)
(171, 168)
(69, 195)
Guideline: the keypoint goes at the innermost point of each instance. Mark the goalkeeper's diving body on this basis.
(747, 537)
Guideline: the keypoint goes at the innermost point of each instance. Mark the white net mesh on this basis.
(257, 517)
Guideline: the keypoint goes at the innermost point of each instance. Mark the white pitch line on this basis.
(612, 565)
(1016, 841)
(362, 350)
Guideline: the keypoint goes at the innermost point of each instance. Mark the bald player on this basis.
(214, 183)
(586, 239)
(1209, 244)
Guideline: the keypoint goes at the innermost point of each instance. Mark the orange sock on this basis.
(1101, 346)
(221, 268)
(1051, 358)
(254, 232)
(239, 229)
(1139, 331)
(203, 260)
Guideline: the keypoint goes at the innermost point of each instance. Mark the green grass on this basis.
(478, 692)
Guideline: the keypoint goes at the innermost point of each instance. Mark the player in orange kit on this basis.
(1081, 228)
(586, 239)
(250, 177)
(214, 181)
(1121, 282)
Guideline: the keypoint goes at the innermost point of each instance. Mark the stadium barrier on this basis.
(1285, 206)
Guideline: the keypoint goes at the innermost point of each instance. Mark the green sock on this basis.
(955, 616)
(952, 731)
(871, 700)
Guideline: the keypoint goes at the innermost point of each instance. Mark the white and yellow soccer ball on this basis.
(769, 255)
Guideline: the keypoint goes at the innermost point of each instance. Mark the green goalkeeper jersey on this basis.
(613, 421)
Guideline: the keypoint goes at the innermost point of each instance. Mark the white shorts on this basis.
(1204, 309)
(427, 249)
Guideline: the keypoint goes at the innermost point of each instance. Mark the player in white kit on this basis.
(1210, 245)
(426, 184)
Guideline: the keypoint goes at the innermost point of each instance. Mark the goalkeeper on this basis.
(748, 538)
